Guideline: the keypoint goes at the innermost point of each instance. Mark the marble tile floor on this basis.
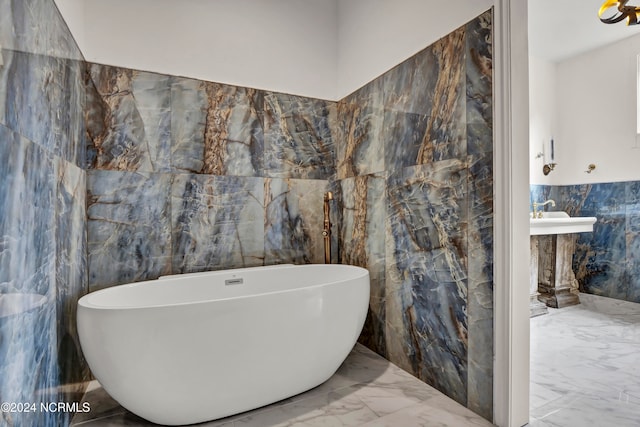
(367, 390)
(584, 365)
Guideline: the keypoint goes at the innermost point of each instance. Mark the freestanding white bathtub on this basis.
(197, 347)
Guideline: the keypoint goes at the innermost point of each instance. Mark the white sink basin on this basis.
(558, 222)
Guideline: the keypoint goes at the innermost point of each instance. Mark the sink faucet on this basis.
(536, 205)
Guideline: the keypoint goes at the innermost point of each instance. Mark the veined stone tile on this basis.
(438, 148)
(27, 196)
(578, 409)
(605, 261)
(294, 221)
(71, 271)
(600, 270)
(217, 129)
(365, 389)
(298, 137)
(217, 222)
(129, 120)
(437, 411)
(359, 140)
(480, 285)
(403, 134)
(36, 26)
(42, 98)
(362, 239)
(129, 229)
(27, 276)
(479, 71)
(337, 408)
(426, 281)
(430, 87)
(188, 121)
(42, 224)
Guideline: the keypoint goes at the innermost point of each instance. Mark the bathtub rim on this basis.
(85, 302)
(235, 270)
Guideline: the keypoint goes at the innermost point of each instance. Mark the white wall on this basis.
(318, 48)
(376, 35)
(73, 12)
(542, 115)
(596, 116)
(280, 45)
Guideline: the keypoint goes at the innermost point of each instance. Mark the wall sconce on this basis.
(632, 13)
(549, 157)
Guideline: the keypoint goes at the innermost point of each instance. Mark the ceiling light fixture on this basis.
(632, 13)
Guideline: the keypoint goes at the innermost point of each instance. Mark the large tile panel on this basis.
(479, 112)
(28, 327)
(426, 280)
(128, 120)
(42, 98)
(294, 221)
(216, 129)
(217, 222)
(129, 227)
(298, 137)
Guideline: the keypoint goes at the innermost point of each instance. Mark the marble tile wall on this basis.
(606, 262)
(414, 168)
(42, 210)
(186, 175)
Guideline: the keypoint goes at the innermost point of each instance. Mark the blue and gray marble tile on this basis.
(71, 272)
(479, 73)
(128, 120)
(36, 26)
(362, 240)
(28, 344)
(191, 176)
(479, 106)
(605, 261)
(42, 199)
(299, 137)
(632, 192)
(433, 315)
(27, 196)
(42, 98)
(129, 227)
(480, 284)
(217, 222)
(294, 221)
(216, 129)
(359, 135)
(426, 289)
(425, 98)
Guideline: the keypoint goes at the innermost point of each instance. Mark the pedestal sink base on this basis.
(557, 297)
(557, 283)
(552, 279)
(536, 308)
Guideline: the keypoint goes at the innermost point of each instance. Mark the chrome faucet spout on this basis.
(538, 214)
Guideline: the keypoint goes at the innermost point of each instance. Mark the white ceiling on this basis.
(559, 29)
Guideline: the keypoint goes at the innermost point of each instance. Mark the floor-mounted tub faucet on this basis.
(536, 205)
(326, 232)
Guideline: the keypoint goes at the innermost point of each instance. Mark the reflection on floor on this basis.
(367, 391)
(584, 365)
